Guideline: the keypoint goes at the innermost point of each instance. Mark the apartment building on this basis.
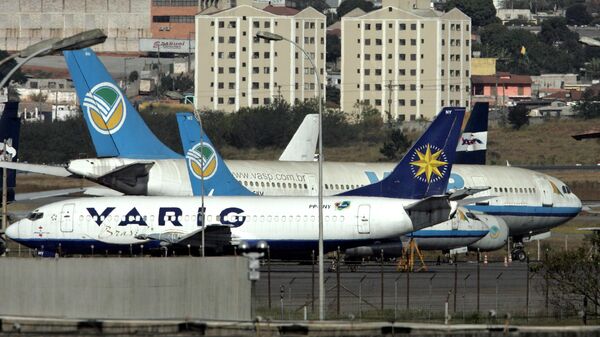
(406, 59)
(235, 69)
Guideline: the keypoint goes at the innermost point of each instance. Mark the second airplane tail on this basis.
(206, 168)
(472, 146)
(116, 127)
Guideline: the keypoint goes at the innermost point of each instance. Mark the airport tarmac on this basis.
(291, 286)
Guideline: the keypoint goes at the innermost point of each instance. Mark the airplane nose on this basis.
(13, 231)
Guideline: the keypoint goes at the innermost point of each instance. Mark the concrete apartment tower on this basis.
(405, 58)
(234, 69)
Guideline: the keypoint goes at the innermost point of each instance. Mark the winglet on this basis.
(203, 160)
(116, 127)
(425, 169)
(472, 146)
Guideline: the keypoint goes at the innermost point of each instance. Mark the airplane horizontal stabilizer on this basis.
(429, 211)
(129, 179)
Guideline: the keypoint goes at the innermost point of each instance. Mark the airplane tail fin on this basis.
(472, 145)
(116, 127)
(425, 168)
(203, 160)
(10, 126)
(303, 145)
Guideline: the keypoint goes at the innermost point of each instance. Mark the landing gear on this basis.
(518, 252)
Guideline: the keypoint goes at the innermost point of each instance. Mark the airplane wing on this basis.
(429, 211)
(58, 171)
(215, 238)
(47, 194)
(304, 142)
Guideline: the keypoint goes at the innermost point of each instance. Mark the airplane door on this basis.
(66, 218)
(364, 219)
(311, 182)
(545, 191)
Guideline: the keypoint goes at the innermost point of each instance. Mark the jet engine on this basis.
(497, 236)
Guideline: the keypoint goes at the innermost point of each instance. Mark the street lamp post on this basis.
(45, 47)
(275, 37)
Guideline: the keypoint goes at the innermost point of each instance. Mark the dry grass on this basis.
(39, 182)
(545, 144)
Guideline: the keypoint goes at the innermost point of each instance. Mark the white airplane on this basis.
(524, 204)
(410, 198)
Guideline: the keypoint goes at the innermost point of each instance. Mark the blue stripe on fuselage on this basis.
(526, 210)
(430, 233)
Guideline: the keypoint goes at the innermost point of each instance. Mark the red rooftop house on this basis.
(501, 89)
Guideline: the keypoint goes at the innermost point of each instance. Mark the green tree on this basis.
(555, 30)
(577, 14)
(481, 12)
(571, 277)
(333, 94)
(517, 116)
(348, 5)
(592, 68)
(589, 106)
(395, 144)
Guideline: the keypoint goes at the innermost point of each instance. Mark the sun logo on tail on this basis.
(105, 106)
(202, 160)
(429, 163)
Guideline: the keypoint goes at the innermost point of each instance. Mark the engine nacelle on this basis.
(497, 236)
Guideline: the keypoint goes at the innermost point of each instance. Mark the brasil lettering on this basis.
(231, 216)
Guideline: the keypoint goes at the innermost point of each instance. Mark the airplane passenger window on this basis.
(295, 186)
(326, 219)
(102, 218)
(495, 189)
(510, 189)
(342, 218)
(187, 218)
(152, 218)
(251, 184)
(209, 219)
(217, 218)
(95, 218)
(305, 218)
(278, 185)
(88, 218)
(334, 218)
(276, 219)
(312, 218)
(262, 184)
(326, 187)
(179, 218)
(145, 217)
(297, 218)
(305, 186)
(262, 218)
(289, 185)
(337, 187)
(268, 184)
(81, 218)
(193, 218)
(269, 218)
(283, 218)
(347, 187)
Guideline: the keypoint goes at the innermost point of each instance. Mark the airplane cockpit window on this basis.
(33, 216)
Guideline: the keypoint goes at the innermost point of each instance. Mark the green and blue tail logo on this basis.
(105, 107)
(207, 171)
(202, 161)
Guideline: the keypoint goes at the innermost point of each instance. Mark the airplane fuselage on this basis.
(288, 224)
(529, 202)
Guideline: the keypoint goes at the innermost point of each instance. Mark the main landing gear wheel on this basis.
(519, 255)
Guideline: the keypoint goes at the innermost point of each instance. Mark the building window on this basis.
(413, 57)
(413, 26)
(413, 72)
(367, 57)
(413, 42)
(231, 100)
(221, 85)
(378, 102)
(175, 3)
(220, 100)
(367, 26)
(266, 85)
(378, 42)
(256, 24)
(231, 85)
(231, 39)
(378, 26)
(402, 42)
(378, 57)
(402, 26)
(266, 70)
(377, 87)
(367, 72)
(255, 85)
(266, 100)
(232, 70)
(401, 102)
(255, 70)
(413, 102)
(254, 100)
(378, 71)
(413, 87)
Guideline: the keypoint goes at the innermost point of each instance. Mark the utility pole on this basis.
(391, 86)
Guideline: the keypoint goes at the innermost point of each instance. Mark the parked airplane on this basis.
(525, 202)
(454, 233)
(410, 198)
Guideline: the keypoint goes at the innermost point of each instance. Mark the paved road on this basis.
(427, 293)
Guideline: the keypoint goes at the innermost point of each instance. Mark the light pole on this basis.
(50, 46)
(275, 37)
(45, 47)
